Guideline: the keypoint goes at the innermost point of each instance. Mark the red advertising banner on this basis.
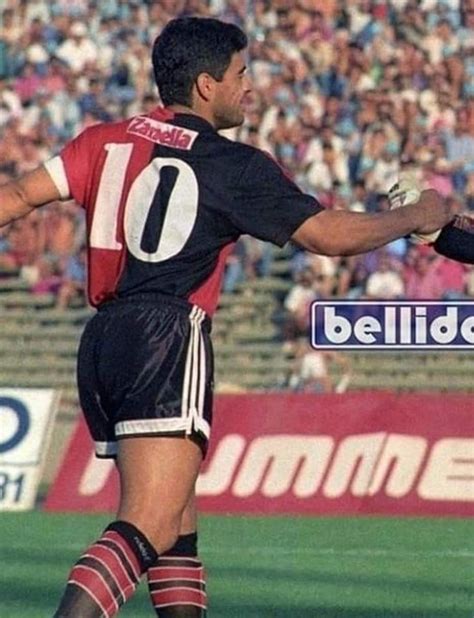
(358, 453)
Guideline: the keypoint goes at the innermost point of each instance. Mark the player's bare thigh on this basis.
(157, 477)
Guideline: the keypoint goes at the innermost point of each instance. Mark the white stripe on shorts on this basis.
(194, 383)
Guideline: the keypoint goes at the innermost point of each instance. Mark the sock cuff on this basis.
(139, 544)
(186, 545)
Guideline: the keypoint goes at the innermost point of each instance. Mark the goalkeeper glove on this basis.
(404, 193)
(454, 241)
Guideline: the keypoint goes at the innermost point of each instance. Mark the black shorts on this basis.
(145, 367)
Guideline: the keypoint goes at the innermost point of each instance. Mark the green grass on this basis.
(269, 567)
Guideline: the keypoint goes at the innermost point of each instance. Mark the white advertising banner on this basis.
(26, 422)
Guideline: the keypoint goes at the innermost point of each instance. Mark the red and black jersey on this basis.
(166, 197)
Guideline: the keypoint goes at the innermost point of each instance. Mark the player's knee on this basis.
(160, 524)
(162, 531)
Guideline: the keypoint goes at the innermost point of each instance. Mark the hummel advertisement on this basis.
(396, 325)
(372, 452)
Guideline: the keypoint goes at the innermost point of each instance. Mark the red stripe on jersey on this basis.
(179, 596)
(207, 295)
(106, 266)
(90, 580)
(84, 159)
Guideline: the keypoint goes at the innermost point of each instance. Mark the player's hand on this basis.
(436, 214)
(431, 209)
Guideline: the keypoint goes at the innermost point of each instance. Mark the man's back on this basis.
(166, 196)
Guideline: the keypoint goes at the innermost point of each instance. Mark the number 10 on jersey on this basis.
(180, 211)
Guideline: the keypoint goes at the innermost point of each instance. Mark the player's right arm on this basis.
(338, 232)
(19, 197)
(268, 205)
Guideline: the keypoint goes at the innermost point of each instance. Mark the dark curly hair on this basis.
(188, 46)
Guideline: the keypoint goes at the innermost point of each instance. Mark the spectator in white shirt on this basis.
(78, 51)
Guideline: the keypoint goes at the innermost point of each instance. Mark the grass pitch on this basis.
(273, 567)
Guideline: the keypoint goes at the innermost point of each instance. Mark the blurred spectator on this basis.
(61, 230)
(10, 103)
(312, 369)
(78, 51)
(249, 258)
(73, 281)
(359, 193)
(453, 278)
(352, 278)
(460, 149)
(297, 303)
(47, 277)
(423, 280)
(385, 282)
(10, 37)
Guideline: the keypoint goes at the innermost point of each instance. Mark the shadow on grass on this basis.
(312, 576)
(38, 598)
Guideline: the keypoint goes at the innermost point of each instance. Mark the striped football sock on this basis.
(177, 583)
(107, 574)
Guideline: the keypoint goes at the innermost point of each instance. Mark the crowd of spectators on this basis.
(346, 94)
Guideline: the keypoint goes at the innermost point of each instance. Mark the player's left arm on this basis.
(21, 196)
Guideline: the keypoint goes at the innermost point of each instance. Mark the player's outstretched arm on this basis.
(337, 232)
(19, 197)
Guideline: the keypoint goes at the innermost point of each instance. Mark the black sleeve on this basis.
(267, 204)
(456, 240)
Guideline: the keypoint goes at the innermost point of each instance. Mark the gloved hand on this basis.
(404, 193)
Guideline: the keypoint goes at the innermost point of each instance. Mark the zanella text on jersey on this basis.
(162, 133)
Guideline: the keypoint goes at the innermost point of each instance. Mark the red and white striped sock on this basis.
(107, 574)
(177, 586)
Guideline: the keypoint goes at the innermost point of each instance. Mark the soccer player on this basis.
(165, 198)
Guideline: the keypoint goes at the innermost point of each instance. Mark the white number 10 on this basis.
(180, 215)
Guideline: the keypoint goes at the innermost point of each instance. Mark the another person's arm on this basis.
(456, 240)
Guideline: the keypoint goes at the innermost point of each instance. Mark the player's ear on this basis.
(205, 86)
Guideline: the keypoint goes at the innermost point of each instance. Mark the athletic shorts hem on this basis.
(163, 425)
(109, 450)
(104, 450)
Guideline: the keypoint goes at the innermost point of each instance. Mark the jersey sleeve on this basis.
(76, 158)
(268, 205)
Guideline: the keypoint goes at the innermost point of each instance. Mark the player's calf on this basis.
(107, 574)
(177, 582)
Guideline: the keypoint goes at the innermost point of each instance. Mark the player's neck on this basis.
(184, 109)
